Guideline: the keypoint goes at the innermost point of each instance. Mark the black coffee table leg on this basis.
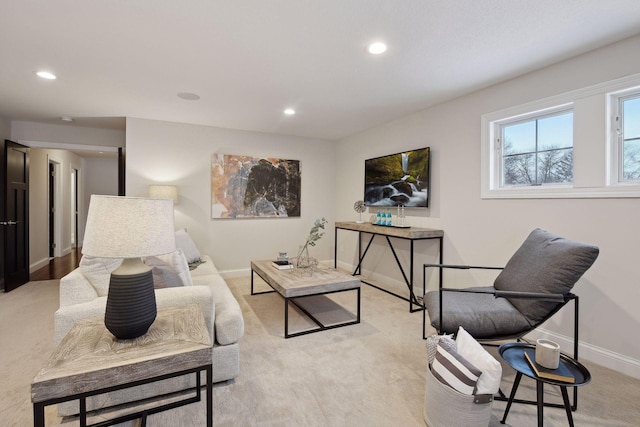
(516, 382)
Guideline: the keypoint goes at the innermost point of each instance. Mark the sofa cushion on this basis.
(164, 275)
(177, 260)
(544, 263)
(204, 268)
(98, 272)
(188, 246)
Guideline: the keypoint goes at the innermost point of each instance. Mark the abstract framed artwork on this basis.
(254, 187)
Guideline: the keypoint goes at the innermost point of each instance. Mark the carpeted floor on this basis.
(369, 374)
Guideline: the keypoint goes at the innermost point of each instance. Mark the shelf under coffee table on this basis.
(296, 284)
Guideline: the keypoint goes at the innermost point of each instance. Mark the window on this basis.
(580, 144)
(537, 151)
(628, 134)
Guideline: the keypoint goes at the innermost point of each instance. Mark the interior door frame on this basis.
(21, 224)
(56, 220)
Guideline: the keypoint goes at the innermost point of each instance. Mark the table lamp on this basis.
(129, 228)
(164, 192)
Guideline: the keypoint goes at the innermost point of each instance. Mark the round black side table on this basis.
(514, 355)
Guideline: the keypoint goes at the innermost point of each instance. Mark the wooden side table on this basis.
(514, 355)
(91, 361)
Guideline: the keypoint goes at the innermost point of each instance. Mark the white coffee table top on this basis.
(296, 282)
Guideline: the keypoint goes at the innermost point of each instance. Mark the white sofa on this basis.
(83, 295)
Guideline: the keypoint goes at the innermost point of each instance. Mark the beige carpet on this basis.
(368, 374)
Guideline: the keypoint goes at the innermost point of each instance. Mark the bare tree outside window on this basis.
(631, 139)
(538, 151)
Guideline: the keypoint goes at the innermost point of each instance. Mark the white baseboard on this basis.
(231, 274)
(589, 352)
(38, 264)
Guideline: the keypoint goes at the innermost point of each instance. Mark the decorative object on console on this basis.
(303, 259)
(398, 179)
(164, 192)
(129, 228)
(359, 207)
(254, 187)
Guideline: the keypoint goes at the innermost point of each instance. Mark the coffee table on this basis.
(91, 361)
(296, 284)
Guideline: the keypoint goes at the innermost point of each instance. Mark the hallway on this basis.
(58, 267)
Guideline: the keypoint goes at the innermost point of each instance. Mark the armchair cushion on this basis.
(498, 316)
(544, 263)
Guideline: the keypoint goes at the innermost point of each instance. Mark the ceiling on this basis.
(248, 60)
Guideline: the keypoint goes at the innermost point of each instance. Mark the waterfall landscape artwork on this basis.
(254, 187)
(398, 179)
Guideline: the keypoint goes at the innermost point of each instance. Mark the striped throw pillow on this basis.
(450, 368)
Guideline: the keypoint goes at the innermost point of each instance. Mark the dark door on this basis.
(122, 160)
(75, 209)
(52, 209)
(14, 216)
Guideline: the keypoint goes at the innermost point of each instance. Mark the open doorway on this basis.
(55, 211)
(74, 208)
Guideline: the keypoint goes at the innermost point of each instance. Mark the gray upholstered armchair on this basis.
(532, 287)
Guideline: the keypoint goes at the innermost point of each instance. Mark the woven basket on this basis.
(446, 407)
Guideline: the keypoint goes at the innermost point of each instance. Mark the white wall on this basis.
(180, 154)
(65, 134)
(97, 176)
(487, 232)
(39, 159)
(5, 128)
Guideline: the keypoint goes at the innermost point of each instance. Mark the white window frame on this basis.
(616, 137)
(496, 136)
(595, 150)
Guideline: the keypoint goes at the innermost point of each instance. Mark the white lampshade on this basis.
(129, 227)
(164, 192)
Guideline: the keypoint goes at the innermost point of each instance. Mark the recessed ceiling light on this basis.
(289, 111)
(188, 96)
(377, 48)
(46, 75)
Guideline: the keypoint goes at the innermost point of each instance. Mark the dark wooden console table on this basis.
(406, 233)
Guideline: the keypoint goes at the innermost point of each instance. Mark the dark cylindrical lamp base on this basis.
(131, 305)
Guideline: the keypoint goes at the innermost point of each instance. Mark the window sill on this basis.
(617, 191)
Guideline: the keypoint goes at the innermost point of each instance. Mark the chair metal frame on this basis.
(562, 299)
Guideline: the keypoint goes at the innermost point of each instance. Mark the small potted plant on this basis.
(304, 260)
